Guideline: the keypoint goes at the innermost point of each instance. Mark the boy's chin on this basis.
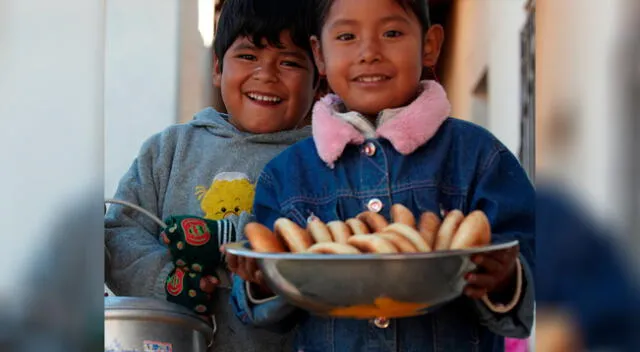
(266, 126)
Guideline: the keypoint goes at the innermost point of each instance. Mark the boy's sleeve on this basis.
(140, 263)
(503, 191)
(272, 313)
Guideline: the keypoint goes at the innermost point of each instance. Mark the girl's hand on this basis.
(495, 275)
(247, 269)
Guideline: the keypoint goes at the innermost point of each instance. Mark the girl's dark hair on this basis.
(261, 19)
(419, 7)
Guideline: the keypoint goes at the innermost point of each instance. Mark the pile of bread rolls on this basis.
(369, 232)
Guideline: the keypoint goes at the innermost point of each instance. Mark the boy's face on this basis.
(266, 89)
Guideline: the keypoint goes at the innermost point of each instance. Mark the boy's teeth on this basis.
(261, 97)
(372, 78)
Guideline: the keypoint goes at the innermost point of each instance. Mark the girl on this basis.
(385, 137)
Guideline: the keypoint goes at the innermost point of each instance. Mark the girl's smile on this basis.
(373, 56)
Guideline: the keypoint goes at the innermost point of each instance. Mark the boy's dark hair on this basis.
(419, 7)
(265, 20)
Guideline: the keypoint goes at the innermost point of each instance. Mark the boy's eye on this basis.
(392, 34)
(247, 57)
(291, 64)
(345, 36)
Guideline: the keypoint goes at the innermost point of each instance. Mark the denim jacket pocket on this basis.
(443, 200)
(305, 210)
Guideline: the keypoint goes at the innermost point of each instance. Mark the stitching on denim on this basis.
(430, 184)
(490, 160)
(388, 181)
(372, 161)
(330, 198)
(380, 192)
(265, 178)
(295, 215)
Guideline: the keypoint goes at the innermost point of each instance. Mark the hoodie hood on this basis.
(218, 124)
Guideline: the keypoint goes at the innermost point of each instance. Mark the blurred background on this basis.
(84, 83)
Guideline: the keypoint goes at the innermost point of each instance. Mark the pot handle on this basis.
(215, 329)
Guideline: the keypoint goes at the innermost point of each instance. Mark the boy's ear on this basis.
(317, 55)
(432, 45)
(217, 72)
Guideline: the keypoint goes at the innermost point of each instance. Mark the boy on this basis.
(208, 166)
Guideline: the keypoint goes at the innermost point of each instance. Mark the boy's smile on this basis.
(265, 88)
(264, 99)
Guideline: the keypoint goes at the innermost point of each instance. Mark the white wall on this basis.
(579, 56)
(506, 20)
(486, 39)
(51, 56)
(467, 35)
(141, 78)
(157, 72)
(195, 59)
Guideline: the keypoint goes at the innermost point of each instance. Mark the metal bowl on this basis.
(145, 324)
(365, 286)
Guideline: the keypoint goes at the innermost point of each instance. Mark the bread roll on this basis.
(332, 248)
(372, 244)
(297, 239)
(448, 229)
(262, 239)
(401, 214)
(428, 227)
(409, 233)
(374, 221)
(319, 231)
(358, 227)
(402, 244)
(474, 231)
(340, 232)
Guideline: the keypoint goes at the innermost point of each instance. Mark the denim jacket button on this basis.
(374, 205)
(369, 149)
(381, 323)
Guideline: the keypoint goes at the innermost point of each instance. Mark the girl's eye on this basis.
(345, 36)
(247, 57)
(392, 34)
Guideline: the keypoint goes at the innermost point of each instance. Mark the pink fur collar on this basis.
(410, 128)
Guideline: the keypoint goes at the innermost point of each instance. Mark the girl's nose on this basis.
(370, 51)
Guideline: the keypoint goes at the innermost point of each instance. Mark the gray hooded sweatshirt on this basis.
(197, 168)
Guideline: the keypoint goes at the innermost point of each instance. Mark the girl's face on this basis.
(373, 52)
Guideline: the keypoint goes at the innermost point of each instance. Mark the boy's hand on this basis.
(208, 284)
(191, 290)
(247, 269)
(495, 275)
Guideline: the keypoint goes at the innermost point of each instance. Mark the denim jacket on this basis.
(426, 161)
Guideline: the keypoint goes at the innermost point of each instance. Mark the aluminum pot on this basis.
(146, 324)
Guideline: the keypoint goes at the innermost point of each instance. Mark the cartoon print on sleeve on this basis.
(229, 193)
